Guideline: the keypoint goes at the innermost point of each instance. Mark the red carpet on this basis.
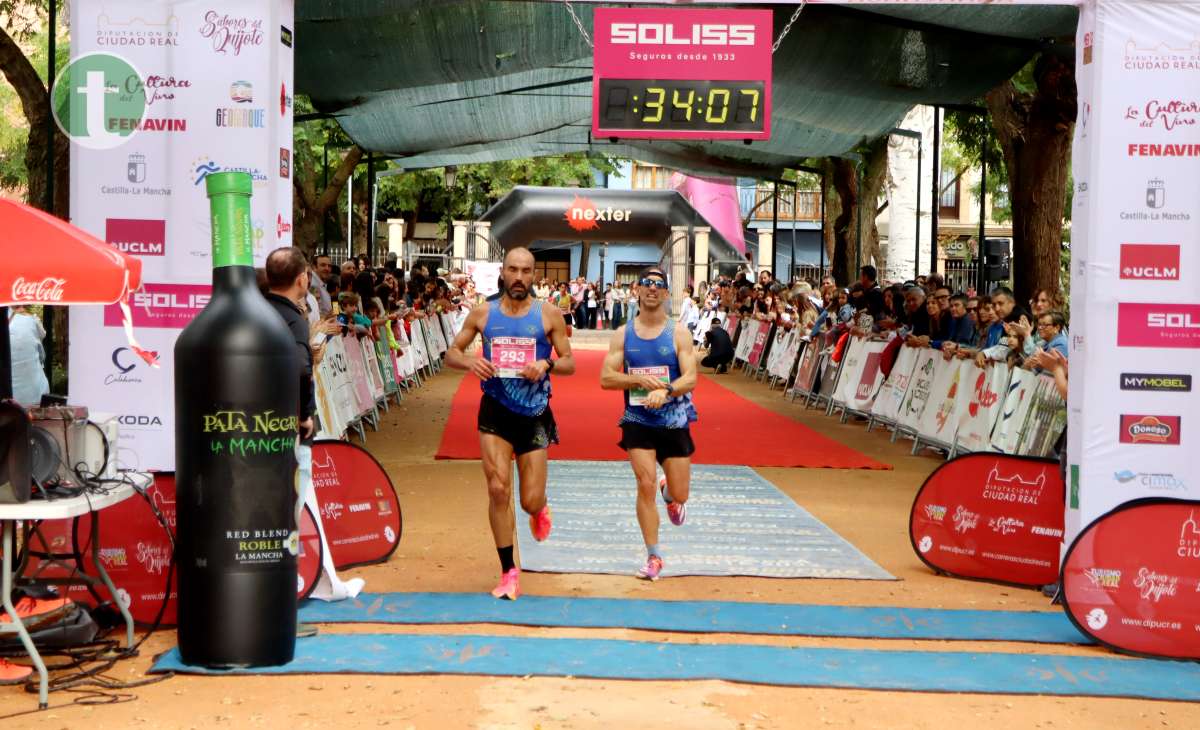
(731, 429)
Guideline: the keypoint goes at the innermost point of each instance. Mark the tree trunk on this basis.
(833, 208)
(1035, 131)
(845, 227)
(311, 206)
(873, 179)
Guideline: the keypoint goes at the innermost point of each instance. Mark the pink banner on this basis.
(682, 73)
(1158, 325)
(162, 305)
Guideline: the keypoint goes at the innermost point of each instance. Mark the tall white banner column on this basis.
(1135, 322)
(217, 82)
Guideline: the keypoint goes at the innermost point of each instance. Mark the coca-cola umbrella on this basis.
(50, 261)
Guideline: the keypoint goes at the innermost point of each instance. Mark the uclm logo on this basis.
(668, 34)
(1150, 429)
(169, 306)
(1150, 261)
(137, 236)
(1158, 325)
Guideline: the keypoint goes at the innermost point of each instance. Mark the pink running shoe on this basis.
(540, 524)
(651, 569)
(13, 673)
(509, 588)
(676, 511)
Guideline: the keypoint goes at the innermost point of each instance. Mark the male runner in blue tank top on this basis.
(653, 360)
(514, 413)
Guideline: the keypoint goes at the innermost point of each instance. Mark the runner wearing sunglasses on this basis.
(514, 413)
(652, 359)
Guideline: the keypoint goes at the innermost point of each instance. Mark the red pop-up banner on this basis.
(359, 507)
(136, 553)
(993, 517)
(1131, 580)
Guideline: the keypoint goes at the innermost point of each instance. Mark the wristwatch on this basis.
(549, 366)
(670, 390)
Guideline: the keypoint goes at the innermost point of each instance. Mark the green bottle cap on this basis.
(238, 183)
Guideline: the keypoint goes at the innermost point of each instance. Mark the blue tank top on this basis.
(658, 353)
(515, 335)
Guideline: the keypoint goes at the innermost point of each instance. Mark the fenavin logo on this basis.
(1164, 383)
(90, 93)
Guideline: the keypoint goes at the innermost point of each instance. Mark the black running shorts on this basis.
(667, 443)
(525, 433)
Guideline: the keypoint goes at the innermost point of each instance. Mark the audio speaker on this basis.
(15, 479)
(66, 426)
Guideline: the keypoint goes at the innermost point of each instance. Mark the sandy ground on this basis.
(447, 547)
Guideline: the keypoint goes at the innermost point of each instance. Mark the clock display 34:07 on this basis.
(681, 104)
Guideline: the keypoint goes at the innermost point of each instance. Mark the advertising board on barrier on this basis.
(136, 552)
(359, 508)
(991, 516)
(1132, 579)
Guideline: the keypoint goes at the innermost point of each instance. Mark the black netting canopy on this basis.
(439, 82)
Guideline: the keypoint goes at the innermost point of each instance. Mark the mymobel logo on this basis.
(1181, 383)
(93, 104)
(668, 34)
(1150, 261)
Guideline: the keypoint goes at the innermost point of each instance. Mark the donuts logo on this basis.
(1150, 429)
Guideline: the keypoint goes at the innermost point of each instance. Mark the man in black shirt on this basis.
(872, 297)
(720, 348)
(287, 283)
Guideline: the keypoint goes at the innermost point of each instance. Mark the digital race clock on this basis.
(676, 73)
(627, 104)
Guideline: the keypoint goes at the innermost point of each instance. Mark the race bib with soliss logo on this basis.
(637, 396)
(510, 355)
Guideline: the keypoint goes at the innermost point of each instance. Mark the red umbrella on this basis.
(50, 261)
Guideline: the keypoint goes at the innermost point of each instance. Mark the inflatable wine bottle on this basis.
(236, 411)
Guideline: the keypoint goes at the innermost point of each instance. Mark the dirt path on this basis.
(447, 547)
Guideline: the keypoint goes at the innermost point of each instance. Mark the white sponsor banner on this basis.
(870, 377)
(371, 365)
(980, 404)
(217, 77)
(939, 420)
(1137, 215)
(485, 274)
(784, 352)
(749, 328)
(920, 386)
(1006, 435)
(851, 368)
(891, 394)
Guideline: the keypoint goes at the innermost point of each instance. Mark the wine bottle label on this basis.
(232, 233)
(249, 449)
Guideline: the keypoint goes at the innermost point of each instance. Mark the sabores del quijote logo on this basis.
(231, 34)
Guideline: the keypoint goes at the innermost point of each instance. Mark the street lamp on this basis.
(449, 178)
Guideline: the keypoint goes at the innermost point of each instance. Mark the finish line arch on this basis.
(692, 250)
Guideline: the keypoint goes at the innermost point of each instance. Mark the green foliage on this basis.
(478, 186)
(26, 23)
